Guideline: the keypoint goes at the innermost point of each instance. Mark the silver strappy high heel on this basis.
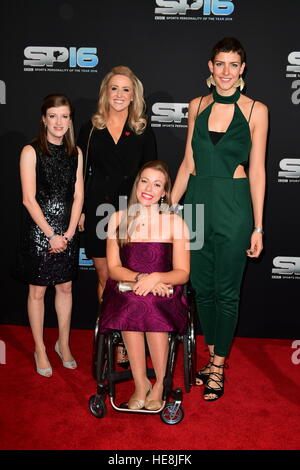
(44, 372)
(68, 364)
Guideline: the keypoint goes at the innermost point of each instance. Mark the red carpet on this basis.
(260, 408)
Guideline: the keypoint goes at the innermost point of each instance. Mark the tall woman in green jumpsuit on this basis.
(227, 131)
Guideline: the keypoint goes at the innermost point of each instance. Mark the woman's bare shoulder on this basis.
(28, 149)
(257, 105)
(28, 155)
(116, 217)
(194, 103)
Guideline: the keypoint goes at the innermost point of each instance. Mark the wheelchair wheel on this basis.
(97, 406)
(187, 364)
(172, 414)
(189, 356)
(100, 358)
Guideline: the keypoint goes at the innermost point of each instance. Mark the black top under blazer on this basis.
(110, 172)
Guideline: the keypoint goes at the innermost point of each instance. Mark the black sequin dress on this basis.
(55, 183)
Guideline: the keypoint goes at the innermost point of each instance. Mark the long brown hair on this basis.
(127, 224)
(54, 101)
(136, 119)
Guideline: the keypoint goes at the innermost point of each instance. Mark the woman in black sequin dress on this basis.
(52, 187)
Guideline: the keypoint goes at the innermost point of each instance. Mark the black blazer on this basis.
(111, 168)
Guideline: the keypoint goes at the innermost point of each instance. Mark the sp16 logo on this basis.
(294, 62)
(83, 260)
(180, 7)
(37, 56)
(2, 92)
(290, 167)
(286, 265)
(169, 112)
(296, 93)
(293, 71)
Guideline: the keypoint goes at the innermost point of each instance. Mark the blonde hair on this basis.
(136, 119)
(127, 224)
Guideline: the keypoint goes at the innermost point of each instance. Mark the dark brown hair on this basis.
(54, 101)
(228, 45)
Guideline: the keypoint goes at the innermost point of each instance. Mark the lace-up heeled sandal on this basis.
(214, 378)
(203, 376)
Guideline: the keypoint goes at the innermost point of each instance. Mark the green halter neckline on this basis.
(226, 99)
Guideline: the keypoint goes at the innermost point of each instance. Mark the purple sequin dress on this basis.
(127, 311)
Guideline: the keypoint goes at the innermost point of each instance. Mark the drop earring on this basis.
(210, 81)
(162, 205)
(240, 83)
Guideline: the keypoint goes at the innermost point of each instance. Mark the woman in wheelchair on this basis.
(148, 245)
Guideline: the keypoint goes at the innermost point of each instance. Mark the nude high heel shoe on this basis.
(44, 372)
(68, 364)
(136, 404)
(153, 405)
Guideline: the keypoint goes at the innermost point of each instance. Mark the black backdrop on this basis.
(167, 44)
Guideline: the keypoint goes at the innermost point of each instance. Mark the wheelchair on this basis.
(104, 372)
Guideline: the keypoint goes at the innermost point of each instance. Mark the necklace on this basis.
(148, 218)
(226, 99)
(142, 220)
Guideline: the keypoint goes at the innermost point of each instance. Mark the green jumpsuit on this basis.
(217, 268)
